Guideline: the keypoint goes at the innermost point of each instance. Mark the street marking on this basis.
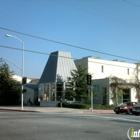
(78, 115)
(118, 118)
(77, 125)
(108, 117)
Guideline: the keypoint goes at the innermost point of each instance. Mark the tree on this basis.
(9, 88)
(116, 86)
(77, 84)
(135, 83)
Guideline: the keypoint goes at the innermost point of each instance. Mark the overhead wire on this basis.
(74, 46)
(131, 3)
(81, 11)
(65, 44)
(116, 10)
(42, 53)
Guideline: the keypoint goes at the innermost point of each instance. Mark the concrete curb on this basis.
(43, 110)
(58, 110)
(98, 112)
(18, 110)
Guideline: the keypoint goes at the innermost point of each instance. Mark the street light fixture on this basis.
(8, 35)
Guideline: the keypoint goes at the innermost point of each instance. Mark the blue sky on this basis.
(109, 26)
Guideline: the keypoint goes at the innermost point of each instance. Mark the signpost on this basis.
(90, 88)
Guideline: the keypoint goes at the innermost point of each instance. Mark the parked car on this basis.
(124, 108)
(136, 109)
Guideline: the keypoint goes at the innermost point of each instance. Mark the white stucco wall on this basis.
(19, 78)
(110, 68)
(28, 94)
(133, 95)
(101, 69)
(101, 83)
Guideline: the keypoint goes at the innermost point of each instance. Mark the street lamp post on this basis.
(7, 35)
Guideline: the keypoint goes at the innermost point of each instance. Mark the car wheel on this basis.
(128, 111)
(136, 113)
(117, 112)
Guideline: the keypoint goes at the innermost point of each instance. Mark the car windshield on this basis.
(129, 104)
(126, 104)
(137, 104)
(122, 104)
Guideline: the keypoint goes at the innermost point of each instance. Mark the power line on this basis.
(115, 10)
(30, 51)
(74, 46)
(81, 11)
(131, 3)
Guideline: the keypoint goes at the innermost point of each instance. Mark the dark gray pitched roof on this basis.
(58, 67)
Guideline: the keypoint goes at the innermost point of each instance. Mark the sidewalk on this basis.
(55, 110)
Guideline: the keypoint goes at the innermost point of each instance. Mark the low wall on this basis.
(49, 103)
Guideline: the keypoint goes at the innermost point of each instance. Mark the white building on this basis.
(102, 70)
(31, 89)
(103, 93)
(19, 78)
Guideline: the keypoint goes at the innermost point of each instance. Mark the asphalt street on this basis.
(42, 126)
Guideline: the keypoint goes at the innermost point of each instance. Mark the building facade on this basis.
(102, 71)
(31, 88)
(103, 93)
(52, 82)
(100, 68)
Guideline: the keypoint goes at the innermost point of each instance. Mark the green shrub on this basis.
(87, 106)
(99, 106)
(74, 105)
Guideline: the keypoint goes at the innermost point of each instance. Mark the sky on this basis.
(109, 27)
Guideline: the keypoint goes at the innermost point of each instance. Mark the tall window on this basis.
(102, 69)
(128, 71)
(104, 94)
(126, 95)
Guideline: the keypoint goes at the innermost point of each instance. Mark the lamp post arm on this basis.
(11, 62)
(17, 38)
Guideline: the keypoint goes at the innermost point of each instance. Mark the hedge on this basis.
(77, 105)
(86, 106)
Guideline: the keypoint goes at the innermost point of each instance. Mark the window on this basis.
(104, 94)
(102, 69)
(128, 71)
(126, 95)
